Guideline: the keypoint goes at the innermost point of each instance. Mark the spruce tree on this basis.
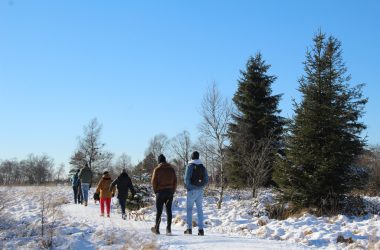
(256, 117)
(324, 138)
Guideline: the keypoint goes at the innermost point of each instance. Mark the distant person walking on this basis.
(164, 182)
(80, 194)
(75, 183)
(105, 193)
(123, 184)
(85, 176)
(196, 178)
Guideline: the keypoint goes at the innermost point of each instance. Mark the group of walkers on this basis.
(81, 182)
(105, 190)
(164, 183)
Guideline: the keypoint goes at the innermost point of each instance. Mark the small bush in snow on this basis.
(279, 211)
(341, 239)
(141, 199)
(372, 205)
(49, 217)
(353, 205)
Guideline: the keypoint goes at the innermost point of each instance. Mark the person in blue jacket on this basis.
(196, 178)
(75, 183)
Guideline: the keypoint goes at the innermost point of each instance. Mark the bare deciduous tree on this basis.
(255, 160)
(60, 172)
(181, 147)
(216, 115)
(38, 169)
(90, 149)
(157, 145)
(7, 171)
(123, 162)
(179, 169)
(208, 156)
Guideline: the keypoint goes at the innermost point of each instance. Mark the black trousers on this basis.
(164, 197)
(80, 194)
(122, 202)
(77, 194)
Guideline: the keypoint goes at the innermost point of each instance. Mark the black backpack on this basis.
(198, 176)
(96, 196)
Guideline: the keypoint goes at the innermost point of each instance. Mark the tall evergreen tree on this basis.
(257, 116)
(324, 138)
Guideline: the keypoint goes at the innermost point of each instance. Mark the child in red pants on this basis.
(107, 201)
(105, 193)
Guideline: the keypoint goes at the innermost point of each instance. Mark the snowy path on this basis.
(71, 226)
(117, 232)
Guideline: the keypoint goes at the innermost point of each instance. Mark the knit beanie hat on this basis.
(161, 158)
(195, 155)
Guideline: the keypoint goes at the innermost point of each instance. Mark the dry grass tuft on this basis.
(134, 241)
(261, 222)
(373, 241)
(178, 220)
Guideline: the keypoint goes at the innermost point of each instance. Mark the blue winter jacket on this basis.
(74, 180)
(189, 172)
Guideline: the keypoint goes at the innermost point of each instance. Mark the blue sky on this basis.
(142, 67)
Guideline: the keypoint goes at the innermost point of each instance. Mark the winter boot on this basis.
(108, 215)
(123, 216)
(188, 231)
(155, 230)
(201, 232)
(168, 231)
(101, 215)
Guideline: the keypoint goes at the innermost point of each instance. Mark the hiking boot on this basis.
(188, 231)
(154, 230)
(168, 231)
(201, 232)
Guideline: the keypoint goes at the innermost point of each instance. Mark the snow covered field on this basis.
(238, 225)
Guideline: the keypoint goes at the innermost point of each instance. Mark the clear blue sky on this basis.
(142, 67)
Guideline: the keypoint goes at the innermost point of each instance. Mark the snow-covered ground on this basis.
(240, 224)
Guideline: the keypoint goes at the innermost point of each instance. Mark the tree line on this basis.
(32, 170)
(317, 154)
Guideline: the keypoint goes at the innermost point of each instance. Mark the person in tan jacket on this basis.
(105, 193)
(164, 182)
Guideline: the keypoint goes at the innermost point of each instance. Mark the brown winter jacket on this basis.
(103, 187)
(164, 177)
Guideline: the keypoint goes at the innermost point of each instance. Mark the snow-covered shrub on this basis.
(141, 199)
(278, 211)
(353, 205)
(263, 220)
(49, 215)
(372, 205)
